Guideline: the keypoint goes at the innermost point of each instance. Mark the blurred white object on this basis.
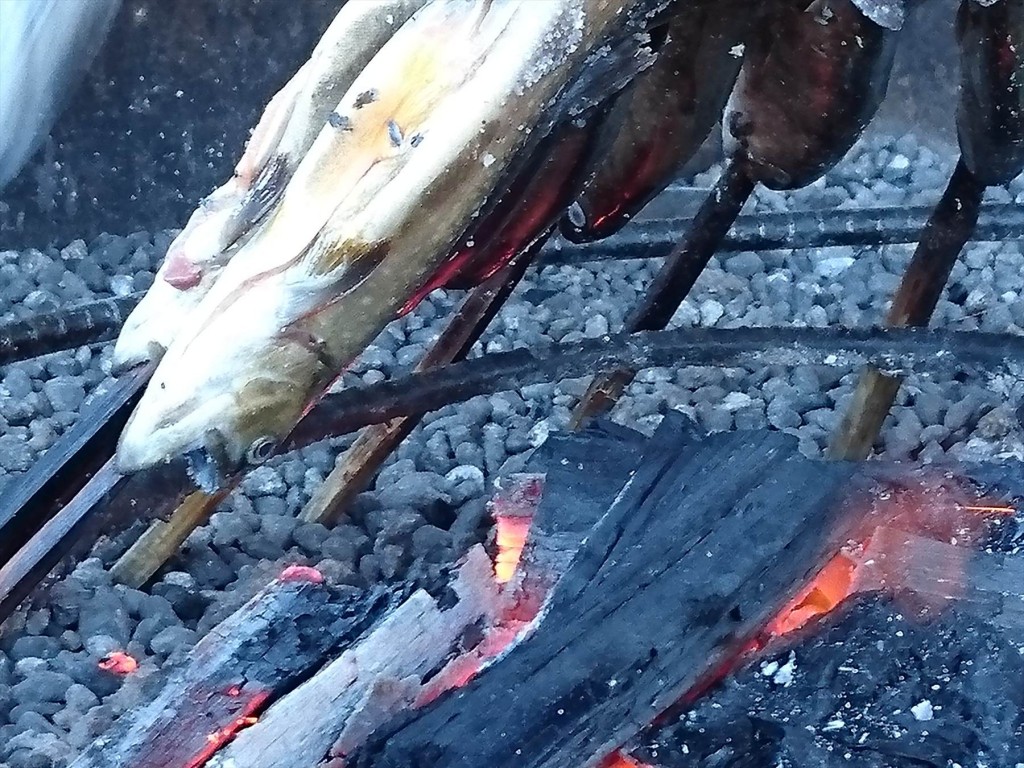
(45, 47)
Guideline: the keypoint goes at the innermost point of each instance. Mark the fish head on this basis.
(226, 397)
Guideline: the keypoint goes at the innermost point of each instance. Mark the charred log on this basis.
(374, 677)
(658, 595)
(264, 649)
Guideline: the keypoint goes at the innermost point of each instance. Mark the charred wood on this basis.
(264, 649)
(374, 677)
(87, 323)
(658, 595)
(64, 469)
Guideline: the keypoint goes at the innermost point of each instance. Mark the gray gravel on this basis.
(428, 504)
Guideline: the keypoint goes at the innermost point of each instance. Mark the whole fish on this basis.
(422, 139)
(291, 122)
(812, 79)
(990, 115)
(666, 115)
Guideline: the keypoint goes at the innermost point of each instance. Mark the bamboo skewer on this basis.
(942, 241)
(673, 282)
(357, 466)
(162, 539)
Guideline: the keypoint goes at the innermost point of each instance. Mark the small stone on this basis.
(34, 646)
(101, 645)
(169, 640)
(278, 529)
(18, 383)
(711, 312)
(310, 537)
(745, 264)
(15, 454)
(922, 711)
(596, 327)
(64, 393)
(264, 481)
(834, 266)
(44, 685)
(415, 489)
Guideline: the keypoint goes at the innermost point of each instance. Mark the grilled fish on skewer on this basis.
(285, 132)
(667, 114)
(990, 117)
(812, 79)
(420, 155)
(528, 208)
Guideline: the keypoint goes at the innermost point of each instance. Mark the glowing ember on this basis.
(511, 538)
(833, 584)
(882, 560)
(118, 662)
(221, 736)
(301, 573)
(619, 760)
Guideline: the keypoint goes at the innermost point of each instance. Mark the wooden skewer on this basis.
(673, 282)
(942, 241)
(357, 466)
(163, 538)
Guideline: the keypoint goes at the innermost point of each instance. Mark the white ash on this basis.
(429, 503)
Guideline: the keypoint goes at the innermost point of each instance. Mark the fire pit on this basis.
(487, 574)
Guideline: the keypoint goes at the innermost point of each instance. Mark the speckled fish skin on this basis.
(990, 116)
(287, 129)
(283, 321)
(665, 116)
(812, 79)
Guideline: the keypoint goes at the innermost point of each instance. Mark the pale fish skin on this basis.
(282, 322)
(287, 129)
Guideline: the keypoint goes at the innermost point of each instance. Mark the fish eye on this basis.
(261, 449)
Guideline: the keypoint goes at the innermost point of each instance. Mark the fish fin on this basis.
(264, 193)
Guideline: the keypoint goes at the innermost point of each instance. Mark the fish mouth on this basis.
(148, 441)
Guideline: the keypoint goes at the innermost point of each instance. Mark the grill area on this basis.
(136, 583)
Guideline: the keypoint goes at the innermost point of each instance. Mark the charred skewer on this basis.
(30, 501)
(647, 239)
(76, 326)
(893, 349)
(990, 120)
(811, 81)
(110, 501)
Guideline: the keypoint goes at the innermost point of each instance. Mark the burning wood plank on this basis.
(375, 678)
(264, 648)
(658, 595)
